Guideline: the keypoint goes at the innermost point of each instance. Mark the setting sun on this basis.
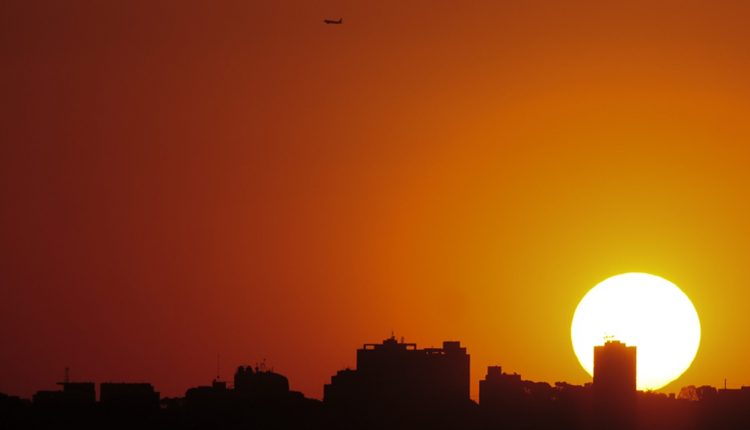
(641, 310)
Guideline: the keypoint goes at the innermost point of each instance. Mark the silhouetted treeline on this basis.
(395, 386)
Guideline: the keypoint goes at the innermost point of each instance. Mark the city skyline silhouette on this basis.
(189, 188)
(394, 385)
(198, 180)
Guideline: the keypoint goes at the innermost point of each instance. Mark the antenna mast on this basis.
(218, 367)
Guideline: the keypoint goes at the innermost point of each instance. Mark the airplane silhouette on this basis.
(334, 21)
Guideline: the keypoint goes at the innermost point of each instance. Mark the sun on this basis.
(644, 311)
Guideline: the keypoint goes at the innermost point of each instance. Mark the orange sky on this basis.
(184, 178)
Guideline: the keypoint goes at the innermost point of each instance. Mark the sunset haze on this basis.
(181, 179)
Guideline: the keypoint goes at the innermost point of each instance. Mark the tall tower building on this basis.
(614, 368)
(615, 385)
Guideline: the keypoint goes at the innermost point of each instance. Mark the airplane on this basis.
(334, 21)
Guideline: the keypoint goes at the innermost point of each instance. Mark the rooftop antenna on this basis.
(725, 383)
(67, 375)
(218, 367)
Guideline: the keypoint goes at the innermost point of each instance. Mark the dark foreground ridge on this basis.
(395, 386)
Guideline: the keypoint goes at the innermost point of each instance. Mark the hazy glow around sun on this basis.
(643, 310)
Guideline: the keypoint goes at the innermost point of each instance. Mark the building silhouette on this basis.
(614, 368)
(72, 394)
(615, 385)
(507, 401)
(500, 392)
(395, 381)
(260, 384)
(395, 370)
(128, 396)
(208, 400)
(260, 398)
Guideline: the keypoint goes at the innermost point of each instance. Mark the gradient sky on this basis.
(185, 178)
